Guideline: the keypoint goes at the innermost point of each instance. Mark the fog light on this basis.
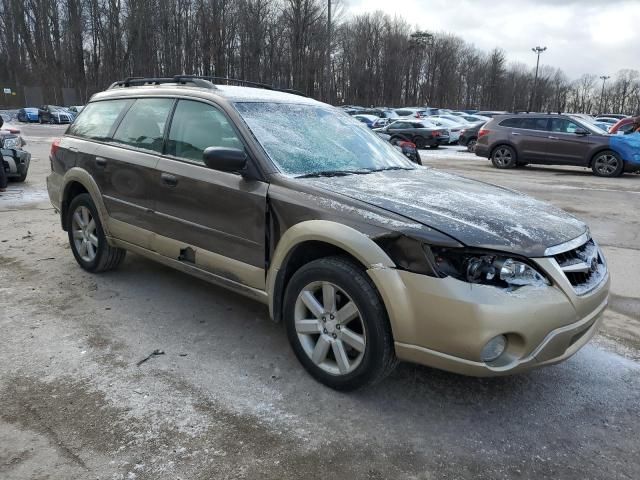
(494, 348)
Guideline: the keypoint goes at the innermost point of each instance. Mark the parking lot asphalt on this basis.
(227, 398)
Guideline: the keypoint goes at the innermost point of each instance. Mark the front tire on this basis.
(504, 157)
(87, 239)
(607, 164)
(337, 324)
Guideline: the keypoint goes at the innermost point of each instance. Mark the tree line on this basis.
(369, 59)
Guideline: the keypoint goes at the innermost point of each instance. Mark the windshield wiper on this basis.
(334, 173)
(391, 168)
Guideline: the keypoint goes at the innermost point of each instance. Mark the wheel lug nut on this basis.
(331, 317)
(324, 330)
(334, 335)
(337, 327)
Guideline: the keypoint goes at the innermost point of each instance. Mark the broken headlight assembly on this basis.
(487, 268)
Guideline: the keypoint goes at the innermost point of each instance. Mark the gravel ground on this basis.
(227, 399)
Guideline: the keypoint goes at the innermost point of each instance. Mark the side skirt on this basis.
(237, 287)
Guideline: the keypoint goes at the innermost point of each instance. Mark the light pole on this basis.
(538, 51)
(329, 75)
(604, 78)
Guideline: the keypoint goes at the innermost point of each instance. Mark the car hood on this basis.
(476, 214)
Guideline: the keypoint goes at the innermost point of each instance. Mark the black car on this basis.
(13, 158)
(469, 137)
(421, 132)
(54, 114)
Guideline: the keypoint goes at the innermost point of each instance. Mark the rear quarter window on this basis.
(512, 123)
(97, 119)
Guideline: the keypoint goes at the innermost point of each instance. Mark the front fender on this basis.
(357, 244)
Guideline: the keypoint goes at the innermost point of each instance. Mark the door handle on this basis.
(169, 180)
(515, 133)
(553, 138)
(73, 149)
(101, 161)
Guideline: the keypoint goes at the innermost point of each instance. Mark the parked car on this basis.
(13, 158)
(624, 125)
(605, 127)
(403, 145)
(453, 128)
(366, 257)
(28, 114)
(551, 139)
(54, 114)
(491, 113)
(609, 121)
(421, 132)
(372, 121)
(469, 136)
(452, 118)
(406, 113)
(618, 116)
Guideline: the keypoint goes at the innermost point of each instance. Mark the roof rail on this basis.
(203, 81)
(179, 79)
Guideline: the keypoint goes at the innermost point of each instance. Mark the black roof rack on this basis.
(203, 81)
(179, 79)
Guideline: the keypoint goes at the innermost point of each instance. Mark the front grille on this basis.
(584, 266)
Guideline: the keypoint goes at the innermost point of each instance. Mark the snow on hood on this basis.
(474, 213)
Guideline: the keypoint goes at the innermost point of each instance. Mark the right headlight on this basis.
(487, 268)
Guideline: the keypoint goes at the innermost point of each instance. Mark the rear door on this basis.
(565, 145)
(123, 163)
(219, 212)
(529, 135)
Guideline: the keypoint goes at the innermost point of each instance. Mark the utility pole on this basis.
(329, 76)
(604, 78)
(538, 51)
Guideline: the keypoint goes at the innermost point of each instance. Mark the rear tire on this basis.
(87, 239)
(337, 324)
(607, 164)
(471, 146)
(504, 157)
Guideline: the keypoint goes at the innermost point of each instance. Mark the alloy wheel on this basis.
(503, 157)
(606, 164)
(330, 328)
(85, 236)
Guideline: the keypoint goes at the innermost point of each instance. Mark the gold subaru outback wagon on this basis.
(366, 257)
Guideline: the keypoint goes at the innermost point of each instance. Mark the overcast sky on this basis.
(582, 36)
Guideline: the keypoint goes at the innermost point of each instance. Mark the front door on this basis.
(218, 212)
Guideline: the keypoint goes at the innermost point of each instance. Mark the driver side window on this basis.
(196, 126)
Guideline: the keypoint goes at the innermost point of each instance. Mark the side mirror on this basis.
(231, 160)
(581, 131)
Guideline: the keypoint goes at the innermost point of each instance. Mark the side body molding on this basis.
(342, 236)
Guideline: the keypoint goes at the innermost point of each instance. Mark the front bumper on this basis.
(445, 323)
(15, 162)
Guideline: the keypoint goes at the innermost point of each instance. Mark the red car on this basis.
(625, 125)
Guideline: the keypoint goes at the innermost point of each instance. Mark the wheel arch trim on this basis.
(346, 238)
(84, 178)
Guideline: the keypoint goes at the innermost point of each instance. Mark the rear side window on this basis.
(534, 123)
(143, 125)
(97, 119)
(512, 123)
(196, 126)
